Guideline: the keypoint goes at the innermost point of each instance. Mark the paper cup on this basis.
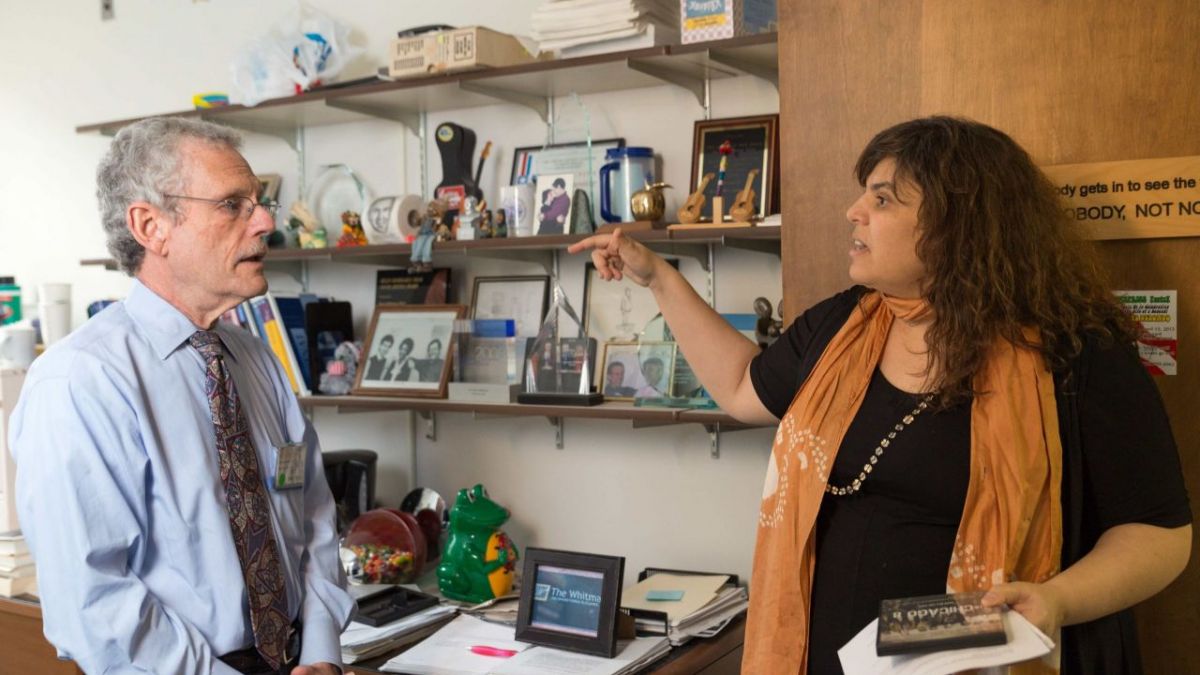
(56, 321)
(54, 293)
(17, 345)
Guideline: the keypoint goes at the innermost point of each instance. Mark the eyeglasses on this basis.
(236, 207)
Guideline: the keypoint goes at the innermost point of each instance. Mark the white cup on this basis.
(54, 293)
(517, 202)
(56, 321)
(17, 347)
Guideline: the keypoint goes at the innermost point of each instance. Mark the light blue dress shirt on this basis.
(120, 498)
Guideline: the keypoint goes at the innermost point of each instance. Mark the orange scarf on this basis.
(1011, 525)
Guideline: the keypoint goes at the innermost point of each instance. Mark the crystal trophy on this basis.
(558, 370)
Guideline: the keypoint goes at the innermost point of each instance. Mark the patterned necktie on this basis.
(246, 501)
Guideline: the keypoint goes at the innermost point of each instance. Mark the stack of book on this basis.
(17, 573)
(278, 319)
(581, 27)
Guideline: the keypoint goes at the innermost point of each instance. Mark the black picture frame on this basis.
(755, 142)
(602, 572)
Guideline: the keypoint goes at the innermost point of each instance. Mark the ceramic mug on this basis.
(17, 346)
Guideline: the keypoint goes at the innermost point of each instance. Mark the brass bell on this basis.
(649, 203)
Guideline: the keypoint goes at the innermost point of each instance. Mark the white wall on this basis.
(652, 495)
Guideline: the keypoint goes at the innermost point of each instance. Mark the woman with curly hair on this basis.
(972, 416)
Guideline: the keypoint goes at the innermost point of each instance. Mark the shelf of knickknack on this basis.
(531, 85)
(764, 239)
(714, 421)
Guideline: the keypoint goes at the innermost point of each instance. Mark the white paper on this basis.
(448, 651)
(1025, 642)
(547, 661)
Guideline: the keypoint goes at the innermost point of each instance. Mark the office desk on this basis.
(720, 655)
(22, 647)
(24, 650)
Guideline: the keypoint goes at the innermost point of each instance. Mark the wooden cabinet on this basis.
(23, 649)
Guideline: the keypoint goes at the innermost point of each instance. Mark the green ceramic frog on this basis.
(479, 559)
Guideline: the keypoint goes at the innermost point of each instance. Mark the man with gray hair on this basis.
(169, 486)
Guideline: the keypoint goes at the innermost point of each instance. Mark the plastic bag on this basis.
(303, 50)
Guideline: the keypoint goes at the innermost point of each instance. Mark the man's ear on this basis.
(149, 225)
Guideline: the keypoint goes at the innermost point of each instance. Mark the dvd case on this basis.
(938, 622)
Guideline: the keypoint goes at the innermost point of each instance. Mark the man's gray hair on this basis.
(143, 164)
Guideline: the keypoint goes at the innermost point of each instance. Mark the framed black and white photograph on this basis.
(755, 145)
(634, 370)
(579, 160)
(408, 350)
(570, 600)
(524, 299)
(553, 212)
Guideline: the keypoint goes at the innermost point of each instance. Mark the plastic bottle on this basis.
(10, 301)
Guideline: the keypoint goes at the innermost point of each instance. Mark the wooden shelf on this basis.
(530, 84)
(611, 411)
(763, 238)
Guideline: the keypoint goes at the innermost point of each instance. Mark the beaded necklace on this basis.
(884, 442)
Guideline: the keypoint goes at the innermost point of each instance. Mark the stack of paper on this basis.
(632, 656)
(18, 576)
(610, 25)
(695, 605)
(448, 651)
(360, 641)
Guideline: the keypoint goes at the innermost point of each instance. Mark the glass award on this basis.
(558, 370)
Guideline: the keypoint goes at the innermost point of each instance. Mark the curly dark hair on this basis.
(999, 250)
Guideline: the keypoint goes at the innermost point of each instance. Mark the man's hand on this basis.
(319, 669)
(1038, 603)
(617, 256)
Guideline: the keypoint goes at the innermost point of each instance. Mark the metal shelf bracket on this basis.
(408, 118)
(430, 418)
(557, 422)
(759, 69)
(538, 104)
(691, 83)
(714, 439)
(286, 134)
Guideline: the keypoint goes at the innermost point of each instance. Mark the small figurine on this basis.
(468, 220)
(485, 224)
(422, 246)
(443, 233)
(338, 378)
(479, 559)
(352, 230)
(305, 225)
(500, 224)
(766, 328)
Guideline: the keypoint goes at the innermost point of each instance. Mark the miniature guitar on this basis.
(744, 205)
(694, 204)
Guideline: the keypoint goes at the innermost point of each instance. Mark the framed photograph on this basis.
(553, 194)
(269, 183)
(570, 601)
(755, 142)
(574, 159)
(635, 370)
(408, 350)
(523, 299)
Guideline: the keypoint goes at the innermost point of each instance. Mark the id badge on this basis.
(289, 467)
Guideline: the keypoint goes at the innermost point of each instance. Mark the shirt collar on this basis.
(164, 326)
